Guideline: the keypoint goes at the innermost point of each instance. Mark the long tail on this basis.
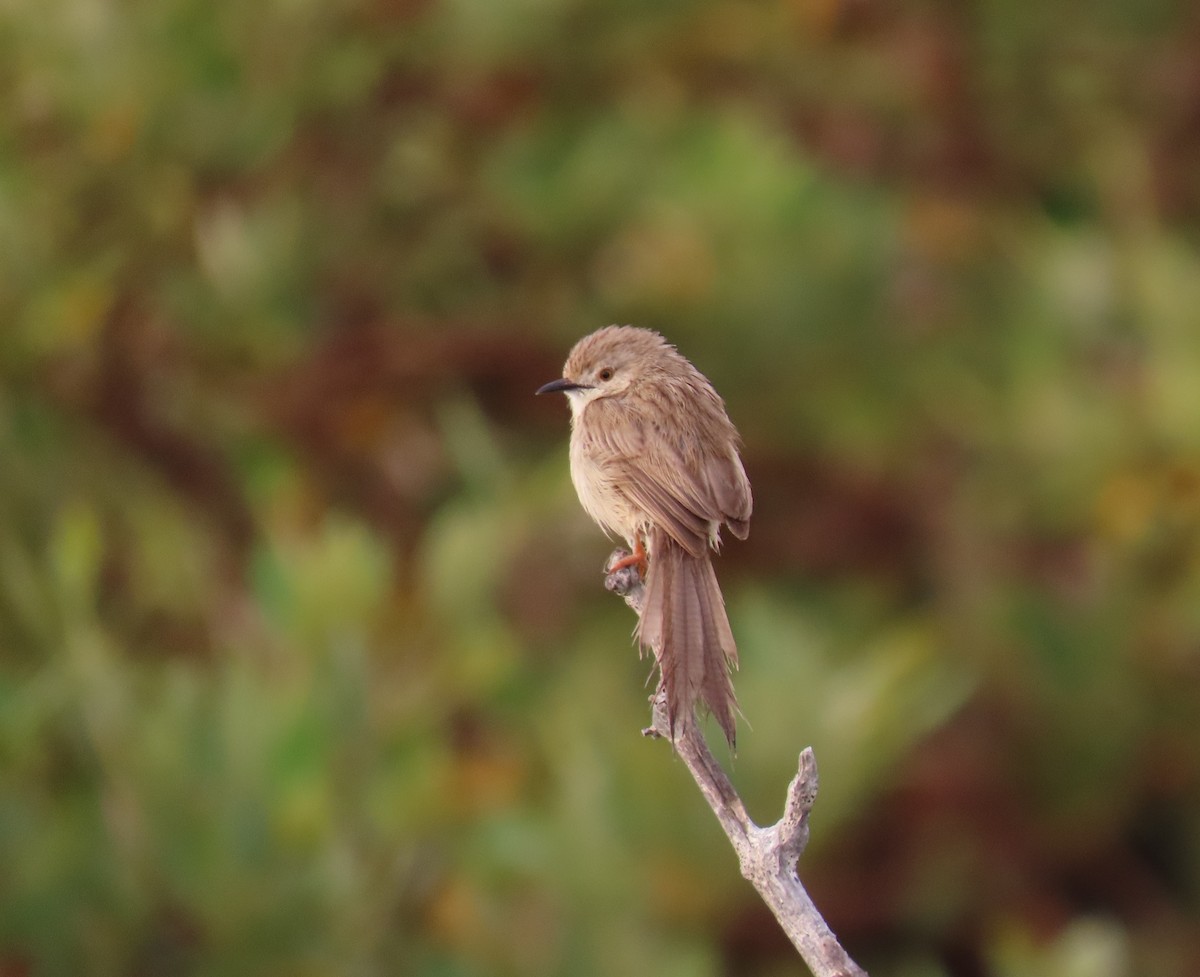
(684, 622)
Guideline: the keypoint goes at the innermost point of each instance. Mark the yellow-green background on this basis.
(306, 667)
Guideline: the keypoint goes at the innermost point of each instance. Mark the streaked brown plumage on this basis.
(654, 459)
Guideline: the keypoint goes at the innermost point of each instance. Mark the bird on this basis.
(656, 461)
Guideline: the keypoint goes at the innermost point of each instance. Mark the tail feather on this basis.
(684, 622)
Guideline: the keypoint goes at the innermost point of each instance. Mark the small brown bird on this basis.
(654, 459)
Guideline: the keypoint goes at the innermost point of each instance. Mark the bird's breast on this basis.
(597, 483)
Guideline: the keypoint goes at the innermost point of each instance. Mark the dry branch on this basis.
(767, 856)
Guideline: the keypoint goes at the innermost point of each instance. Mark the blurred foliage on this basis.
(305, 666)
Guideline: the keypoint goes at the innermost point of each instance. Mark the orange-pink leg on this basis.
(636, 558)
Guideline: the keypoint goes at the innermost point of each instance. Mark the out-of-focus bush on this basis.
(304, 662)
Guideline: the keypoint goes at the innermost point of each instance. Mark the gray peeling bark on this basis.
(767, 856)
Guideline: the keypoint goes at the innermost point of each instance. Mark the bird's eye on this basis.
(605, 374)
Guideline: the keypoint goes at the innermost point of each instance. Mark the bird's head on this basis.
(609, 362)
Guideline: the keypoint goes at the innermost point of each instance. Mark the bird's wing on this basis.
(667, 473)
(729, 487)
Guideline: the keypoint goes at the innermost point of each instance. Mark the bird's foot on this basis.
(635, 559)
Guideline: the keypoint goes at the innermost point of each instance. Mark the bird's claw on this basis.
(618, 577)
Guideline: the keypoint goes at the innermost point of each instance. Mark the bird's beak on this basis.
(561, 385)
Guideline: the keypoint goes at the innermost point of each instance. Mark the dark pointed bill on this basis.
(561, 385)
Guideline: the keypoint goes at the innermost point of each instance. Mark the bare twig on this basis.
(767, 856)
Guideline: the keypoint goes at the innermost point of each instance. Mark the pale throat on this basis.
(579, 399)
